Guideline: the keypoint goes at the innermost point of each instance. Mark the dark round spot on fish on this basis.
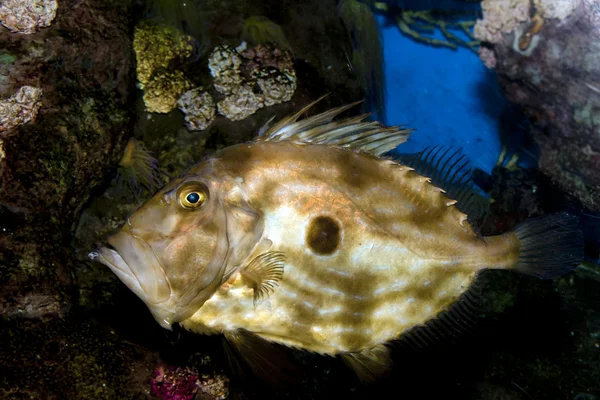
(323, 235)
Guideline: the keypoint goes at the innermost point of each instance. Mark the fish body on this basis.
(309, 238)
(371, 249)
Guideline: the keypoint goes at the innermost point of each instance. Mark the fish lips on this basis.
(137, 266)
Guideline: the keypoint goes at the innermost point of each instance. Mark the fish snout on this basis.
(134, 262)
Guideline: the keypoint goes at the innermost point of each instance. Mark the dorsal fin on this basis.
(449, 169)
(353, 133)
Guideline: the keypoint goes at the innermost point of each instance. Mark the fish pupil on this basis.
(193, 198)
(323, 235)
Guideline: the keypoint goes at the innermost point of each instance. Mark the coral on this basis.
(265, 56)
(20, 108)
(169, 383)
(500, 17)
(414, 21)
(199, 109)
(224, 64)
(27, 16)
(157, 46)
(419, 24)
(488, 57)
(176, 383)
(163, 90)
(275, 85)
(241, 104)
(261, 30)
(560, 9)
(237, 72)
(216, 386)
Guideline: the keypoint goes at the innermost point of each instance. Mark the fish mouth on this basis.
(137, 266)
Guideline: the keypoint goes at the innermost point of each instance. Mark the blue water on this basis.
(448, 96)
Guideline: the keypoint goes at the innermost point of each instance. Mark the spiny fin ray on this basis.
(354, 133)
(265, 272)
(451, 171)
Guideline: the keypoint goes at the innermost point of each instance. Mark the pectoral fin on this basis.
(264, 273)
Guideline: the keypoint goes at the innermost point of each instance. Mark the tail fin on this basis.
(551, 245)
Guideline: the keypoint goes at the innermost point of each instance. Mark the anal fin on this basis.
(459, 322)
(369, 364)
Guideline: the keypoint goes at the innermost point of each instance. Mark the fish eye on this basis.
(192, 195)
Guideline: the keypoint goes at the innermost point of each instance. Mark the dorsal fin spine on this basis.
(352, 133)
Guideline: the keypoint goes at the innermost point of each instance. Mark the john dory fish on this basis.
(309, 238)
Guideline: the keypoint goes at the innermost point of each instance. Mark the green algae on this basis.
(259, 29)
(6, 57)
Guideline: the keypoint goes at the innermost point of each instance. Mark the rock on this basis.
(156, 46)
(276, 86)
(199, 109)
(163, 90)
(27, 16)
(241, 104)
(224, 63)
(57, 148)
(20, 108)
(550, 65)
(263, 66)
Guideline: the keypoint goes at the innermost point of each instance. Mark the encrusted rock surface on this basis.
(20, 108)
(199, 109)
(548, 60)
(241, 104)
(156, 46)
(224, 63)
(276, 86)
(251, 78)
(27, 16)
(163, 90)
(53, 157)
(159, 49)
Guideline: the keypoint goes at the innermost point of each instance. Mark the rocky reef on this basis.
(62, 126)
(545, 53)
(245, 79)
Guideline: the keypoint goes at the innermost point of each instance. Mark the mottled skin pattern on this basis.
(393, 252)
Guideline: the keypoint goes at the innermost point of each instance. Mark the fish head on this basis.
(174, 252)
